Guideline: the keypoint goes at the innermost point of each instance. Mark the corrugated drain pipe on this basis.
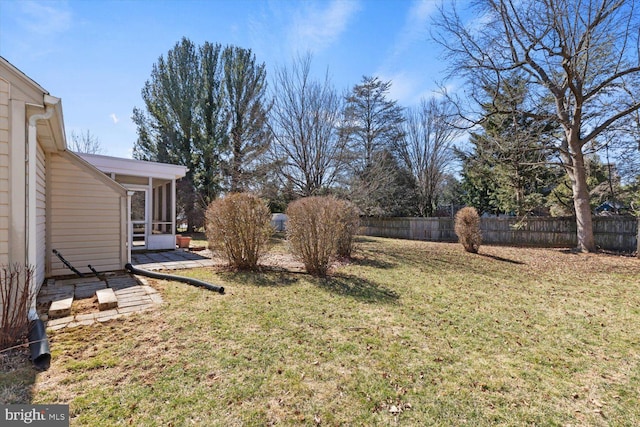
(189, 280)
(39, 345)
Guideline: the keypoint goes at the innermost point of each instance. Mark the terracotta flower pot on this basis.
(183, 241)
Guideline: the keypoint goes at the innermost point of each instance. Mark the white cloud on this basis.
(404, 64)
(416, 25)
(45, 18)
(114, 118)
(315, 29)
(403, 87)
(409, 87)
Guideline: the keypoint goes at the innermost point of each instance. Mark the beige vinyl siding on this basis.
(4, 172)
(41, 223)
(86, 219)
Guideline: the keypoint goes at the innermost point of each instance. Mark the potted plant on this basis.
(183, 241)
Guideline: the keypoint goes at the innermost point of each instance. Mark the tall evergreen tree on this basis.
(507, 167)
(213, 124)
(372, 122)
(169, 129)
(205, 109)
(245, 87)
(385, 188)
(371, 126)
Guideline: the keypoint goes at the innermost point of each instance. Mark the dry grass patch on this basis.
(410, 333)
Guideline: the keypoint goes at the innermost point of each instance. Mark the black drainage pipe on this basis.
(189, 280)
(39, 345)
(67, 263)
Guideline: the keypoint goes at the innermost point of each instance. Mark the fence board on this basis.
(610, 233)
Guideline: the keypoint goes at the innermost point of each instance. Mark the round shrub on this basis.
(467, 228)
(317, 228)
(349, 223)
(239, 227)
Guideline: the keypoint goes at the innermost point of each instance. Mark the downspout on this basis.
(30, 185)
(38, 341)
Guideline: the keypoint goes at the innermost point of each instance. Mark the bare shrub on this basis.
(467, 228)
(239, 226)
(349, 223)
(314, 231)
(16, 297)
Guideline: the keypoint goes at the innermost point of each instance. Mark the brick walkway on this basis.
(133, 294)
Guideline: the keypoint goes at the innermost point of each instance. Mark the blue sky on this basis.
(96, 55)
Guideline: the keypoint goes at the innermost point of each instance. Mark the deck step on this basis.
(60, 308)
(106, 299)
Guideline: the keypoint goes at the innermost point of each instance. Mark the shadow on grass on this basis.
(261, 278)
(17, 376)
(364, 239)
(358, 288)
(372, 262)
(499, 258)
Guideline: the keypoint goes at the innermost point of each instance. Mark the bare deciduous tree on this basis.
(582, 63)
(308, 153)
(426, 149)
(85, 142)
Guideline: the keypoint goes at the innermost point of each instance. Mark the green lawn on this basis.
(411, 333)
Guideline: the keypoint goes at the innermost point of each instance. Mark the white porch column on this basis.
(149, 210)
(164, 215)
(173, 207)
(129, 226)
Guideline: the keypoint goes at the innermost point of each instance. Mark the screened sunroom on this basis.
(152, 198)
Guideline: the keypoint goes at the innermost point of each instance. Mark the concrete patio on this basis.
(169, 260)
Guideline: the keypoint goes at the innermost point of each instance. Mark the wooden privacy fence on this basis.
(611, 233)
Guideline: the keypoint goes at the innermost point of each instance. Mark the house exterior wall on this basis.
(85, 218)
(41, 245)
(4, 172)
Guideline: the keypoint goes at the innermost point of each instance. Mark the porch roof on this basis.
(132, 167)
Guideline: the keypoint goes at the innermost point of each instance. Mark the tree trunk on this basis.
(584, 221)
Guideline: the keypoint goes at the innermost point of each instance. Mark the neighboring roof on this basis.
(131, 167)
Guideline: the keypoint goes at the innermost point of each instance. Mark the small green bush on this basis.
(239, 226)
(318, 228)
(467, 228)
